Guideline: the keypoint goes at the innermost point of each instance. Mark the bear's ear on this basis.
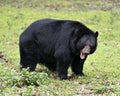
(96, 34)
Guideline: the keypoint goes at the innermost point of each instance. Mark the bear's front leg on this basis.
(62, 69)
(63, 59)
(77, 65)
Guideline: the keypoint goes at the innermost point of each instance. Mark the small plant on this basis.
(101, 90)
(32, 78)
(10, 77)
(29, 91)
(9, 25)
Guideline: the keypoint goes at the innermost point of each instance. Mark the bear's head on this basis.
(87, 44)
(83, 42)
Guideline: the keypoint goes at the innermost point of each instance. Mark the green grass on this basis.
(102, 69)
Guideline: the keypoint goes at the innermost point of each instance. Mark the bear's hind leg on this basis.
(27, 60)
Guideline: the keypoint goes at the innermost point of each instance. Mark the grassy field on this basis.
(102, 69)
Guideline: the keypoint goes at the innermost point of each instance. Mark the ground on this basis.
(101, 69)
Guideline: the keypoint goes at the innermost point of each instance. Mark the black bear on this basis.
(57, 44)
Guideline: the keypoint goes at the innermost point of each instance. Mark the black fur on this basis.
(57, 44)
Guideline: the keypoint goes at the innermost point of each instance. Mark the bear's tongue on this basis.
(82, 55)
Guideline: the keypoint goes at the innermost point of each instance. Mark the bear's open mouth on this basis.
(83, 55)
(84, 52)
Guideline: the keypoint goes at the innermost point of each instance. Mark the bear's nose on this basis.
(87, 49)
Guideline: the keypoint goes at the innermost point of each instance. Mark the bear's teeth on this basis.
(82, 55)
